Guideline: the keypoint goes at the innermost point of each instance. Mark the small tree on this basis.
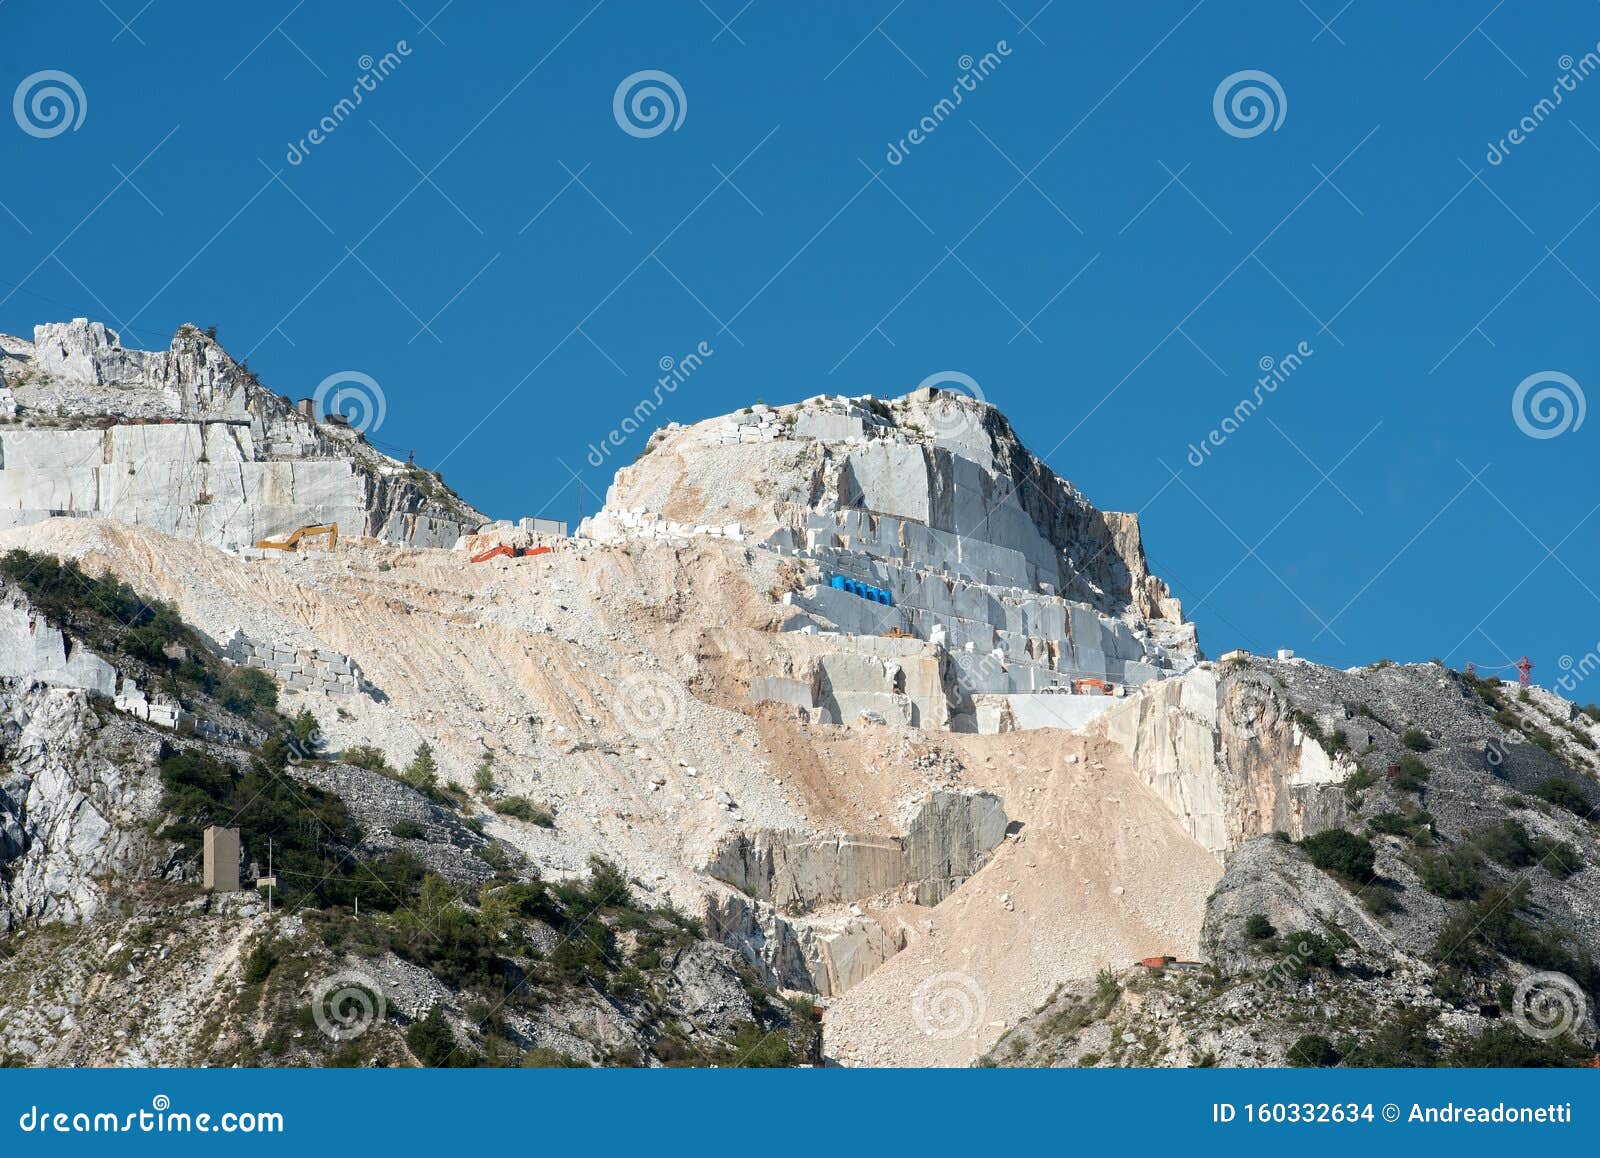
(483, 777)
(1412, 773)
(423, 772)
(1313, 1051)
(1259, 928)
(307, 733)
(1343, 853)
(1563, 794)
(1416, 739)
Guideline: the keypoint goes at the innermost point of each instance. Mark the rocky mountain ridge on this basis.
(189, 442)
(857, 687)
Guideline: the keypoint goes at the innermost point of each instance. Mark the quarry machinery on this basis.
(293, 541)
(1091, 687)
(510, 552)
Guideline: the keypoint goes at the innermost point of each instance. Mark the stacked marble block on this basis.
(300, 668)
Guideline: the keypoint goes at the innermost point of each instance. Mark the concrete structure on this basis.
(220, 862)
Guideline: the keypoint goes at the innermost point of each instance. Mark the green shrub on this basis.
(1509, 843)
(1358, 782)
(1313, 1051)
(1412, 773)
(259, 963)
(423, 772)
(1258, 928)
(1564, 793)
(1342, 853)
(1402, 1042)
(244, 689)
(432, 1041)
(1305, 951)
(1507, 1047)
(483, 777)
(1454, 875)
(408, 830)
(368, 757)
(521, 808)
(1416, 739)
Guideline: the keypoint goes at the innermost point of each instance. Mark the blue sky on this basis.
(1082, 236)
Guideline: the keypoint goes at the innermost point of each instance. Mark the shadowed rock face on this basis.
(187, 441)
(949, 838)
(786, 876)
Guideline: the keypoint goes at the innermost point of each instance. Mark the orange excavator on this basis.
(293, 541)
(510, 553)
(1091, 687)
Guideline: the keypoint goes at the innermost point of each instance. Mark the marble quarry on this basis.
(922, 521)
(188, 442)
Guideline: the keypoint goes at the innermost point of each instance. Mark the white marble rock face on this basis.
(186, 441)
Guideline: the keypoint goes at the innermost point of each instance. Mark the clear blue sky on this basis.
(483, 239)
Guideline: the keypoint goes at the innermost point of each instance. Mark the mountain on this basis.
(850, 702)
(188, 442)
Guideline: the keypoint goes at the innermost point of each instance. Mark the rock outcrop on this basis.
(924, 517)
(188, 442)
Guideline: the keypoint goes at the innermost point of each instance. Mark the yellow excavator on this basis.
(293, 541)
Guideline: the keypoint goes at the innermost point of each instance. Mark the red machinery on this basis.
(510, 552)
